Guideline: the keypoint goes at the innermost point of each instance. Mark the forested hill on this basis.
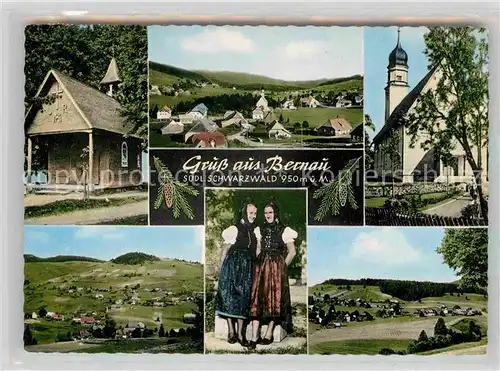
(28, 258)
(134, 258)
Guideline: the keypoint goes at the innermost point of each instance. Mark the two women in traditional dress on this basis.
(253, 283)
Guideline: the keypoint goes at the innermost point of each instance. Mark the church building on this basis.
(82, 129)
(416, 164)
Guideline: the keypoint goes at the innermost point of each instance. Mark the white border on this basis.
(15, 15)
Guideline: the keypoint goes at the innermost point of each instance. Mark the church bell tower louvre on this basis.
(397, 78)
(111, 79)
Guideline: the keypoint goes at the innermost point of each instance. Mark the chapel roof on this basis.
(112, 74)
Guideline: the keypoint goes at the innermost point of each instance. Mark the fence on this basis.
(386, 217)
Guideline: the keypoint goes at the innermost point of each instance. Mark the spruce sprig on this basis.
(174, 193)
(338, 193)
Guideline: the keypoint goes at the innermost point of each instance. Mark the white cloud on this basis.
(386, 246)
(106, 233)
(221, 39)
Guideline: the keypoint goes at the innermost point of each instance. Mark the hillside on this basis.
(28, 258)
(134, 258)
(162, 74)
(79, 288)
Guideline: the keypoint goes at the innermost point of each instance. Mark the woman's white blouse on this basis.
(229, 234)
(288, 236)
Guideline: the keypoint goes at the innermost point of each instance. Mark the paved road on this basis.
(93, 216)
(451, 208)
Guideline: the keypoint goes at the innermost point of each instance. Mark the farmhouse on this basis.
(201, 126)
(233, 118)
(199, 111)
(289, 105)
(335, 127)
(278, 131)
(399, 104)
(155, 90)
(342, 102)
(270, 118)
(82, 129)
(173, 127)
(185, 118)
(309, 101)
(164, 113)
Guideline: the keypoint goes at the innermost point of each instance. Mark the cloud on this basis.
(106, 233)
(214, 40)
(386, 246)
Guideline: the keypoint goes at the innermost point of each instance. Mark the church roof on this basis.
(112, 73)
(404, 106)
(398, 55)
(98, 110)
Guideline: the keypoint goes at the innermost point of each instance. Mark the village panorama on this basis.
(211, 110)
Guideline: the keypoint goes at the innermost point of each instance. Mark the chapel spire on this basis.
(112, 77)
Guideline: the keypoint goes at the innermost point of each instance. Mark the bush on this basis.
(386, 351)
(440, 328)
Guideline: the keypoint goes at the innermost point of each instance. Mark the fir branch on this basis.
(338, 193)
(159, 198)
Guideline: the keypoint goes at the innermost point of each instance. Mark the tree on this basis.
(305, 125)
(466, 252)
(326, 297)
(42, 312)
(161, 333)
(28, 336)
(456, 112)
(423, 336)
(109, 329)
(348, 287)
(84, 52)
(440, 328)
(391, 148)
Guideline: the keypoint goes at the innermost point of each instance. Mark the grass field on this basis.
(367, 294)
(70, 288)
(359, 346)
(131, 220)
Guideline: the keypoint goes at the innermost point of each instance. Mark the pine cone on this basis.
(169, 194)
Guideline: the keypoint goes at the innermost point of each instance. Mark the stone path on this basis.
(213, 344)
(93, 216)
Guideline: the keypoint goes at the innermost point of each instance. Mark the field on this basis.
(396, 333)
(78, 288)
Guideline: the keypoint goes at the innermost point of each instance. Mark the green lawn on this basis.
(287, 351)
(377, 202)
(66, 206)
(357, 291)
(207, 91)
(362, 346)
(45, 332)
(318, 116)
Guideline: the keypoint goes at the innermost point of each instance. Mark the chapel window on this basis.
(124, 154)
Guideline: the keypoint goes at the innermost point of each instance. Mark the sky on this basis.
(287, 53)
(378, 44)
(382, 252)
(108, 242)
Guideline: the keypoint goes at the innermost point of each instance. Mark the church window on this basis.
(124, 154)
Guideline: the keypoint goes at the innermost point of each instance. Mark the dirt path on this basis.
(386, 330)
(93, 216)
(42, 199)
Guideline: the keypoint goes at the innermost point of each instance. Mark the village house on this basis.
(81, 120)
(173, 127)
(99, 296)
(342, 103)
(164, 113)
(200, 111)
(87, 320)
(309, 101)
(34, 315)
(289, 105)
(200, 126)
(235, 118)
(358, 99)
(270, 118)
(155, 90)
(335, 127)
(278, 131)
(185, 119)
(399, 104)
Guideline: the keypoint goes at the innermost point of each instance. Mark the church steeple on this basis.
(397, 78)
(112, 77)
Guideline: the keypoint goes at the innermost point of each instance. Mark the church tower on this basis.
(397, 78)
(112, 78)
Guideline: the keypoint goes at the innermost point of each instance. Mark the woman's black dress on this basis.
(270, 290)
(235, 277)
